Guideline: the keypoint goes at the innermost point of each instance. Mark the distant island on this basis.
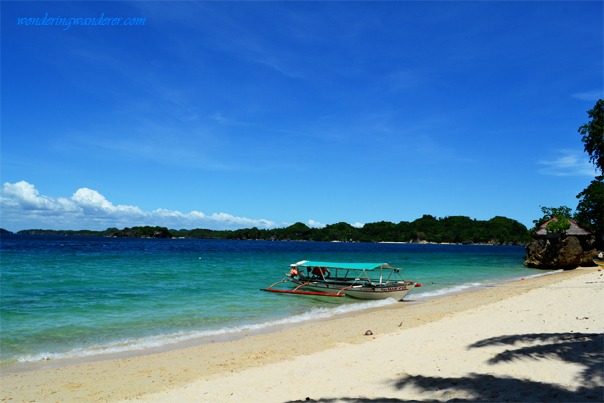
(453, 229)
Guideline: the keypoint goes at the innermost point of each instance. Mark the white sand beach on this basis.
(539, 339)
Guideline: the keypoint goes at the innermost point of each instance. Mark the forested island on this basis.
(453, 229)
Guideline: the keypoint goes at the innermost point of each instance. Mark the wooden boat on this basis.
(357, 280)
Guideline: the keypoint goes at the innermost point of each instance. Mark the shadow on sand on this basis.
(583, 349)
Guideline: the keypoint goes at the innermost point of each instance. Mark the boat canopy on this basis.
(352, 266)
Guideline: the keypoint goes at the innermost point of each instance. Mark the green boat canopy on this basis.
(336, 265)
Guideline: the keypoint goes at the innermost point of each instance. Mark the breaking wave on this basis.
(171, 339)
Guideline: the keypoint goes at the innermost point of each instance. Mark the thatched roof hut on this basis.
(574, 230)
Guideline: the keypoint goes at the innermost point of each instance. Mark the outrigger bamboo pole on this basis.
(323, 294)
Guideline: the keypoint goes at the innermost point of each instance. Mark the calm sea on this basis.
(74, 297)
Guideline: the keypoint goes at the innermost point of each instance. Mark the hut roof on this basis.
(574, 229)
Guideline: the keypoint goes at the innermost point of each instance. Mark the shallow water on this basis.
(71, 297)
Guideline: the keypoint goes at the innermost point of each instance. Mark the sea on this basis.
(76, 297)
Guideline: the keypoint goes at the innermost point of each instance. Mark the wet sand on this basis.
(535, 339)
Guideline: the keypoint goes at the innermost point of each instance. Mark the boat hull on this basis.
(397, 291)
(398, 294)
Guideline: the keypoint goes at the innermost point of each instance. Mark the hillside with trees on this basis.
(453, 229)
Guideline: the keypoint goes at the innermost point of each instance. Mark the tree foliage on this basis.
(590, 210)
(562, 212)
(560, 225)
(593, 135)
(453, 229)
(142, 232)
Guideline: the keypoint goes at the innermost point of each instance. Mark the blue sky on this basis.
(226, 115)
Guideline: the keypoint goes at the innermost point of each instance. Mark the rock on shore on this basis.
(560, 252)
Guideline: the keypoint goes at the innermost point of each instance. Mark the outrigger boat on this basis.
(357, 280)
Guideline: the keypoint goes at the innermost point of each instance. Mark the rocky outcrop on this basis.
(560, 252)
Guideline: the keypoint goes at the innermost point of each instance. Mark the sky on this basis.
(226, 115)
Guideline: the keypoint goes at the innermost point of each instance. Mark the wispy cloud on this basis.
(589, 95)
(568, 163)
(24, 207)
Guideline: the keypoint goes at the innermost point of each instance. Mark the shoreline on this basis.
(174, 370)
(241, 331)
(168, 342)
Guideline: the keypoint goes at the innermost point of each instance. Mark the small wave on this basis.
(547, 273)
(447, 290)
(462, 287)
(149, 342)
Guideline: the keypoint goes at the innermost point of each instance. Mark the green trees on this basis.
(593, 138)
(562, 213)
(553, 212)
(590, 210)
(341, 231)
(425, 228)
(143, 232)
(382, 231)
(452, 229)
(504, 230)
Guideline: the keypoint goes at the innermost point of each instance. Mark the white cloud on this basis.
(26, 196)
(240, 222)
(92, 201)
(160, 212)
(23, 207)
(569, 163)
(315, 224)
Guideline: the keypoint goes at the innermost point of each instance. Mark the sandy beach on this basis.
(539, 339)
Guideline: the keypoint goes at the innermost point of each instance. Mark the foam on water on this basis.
(447, 291)
(462, 287)
(150, 342)
(316, 313)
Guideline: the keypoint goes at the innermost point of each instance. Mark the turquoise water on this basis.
(71, 297)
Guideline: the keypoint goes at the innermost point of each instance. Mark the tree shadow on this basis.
(584, 349)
